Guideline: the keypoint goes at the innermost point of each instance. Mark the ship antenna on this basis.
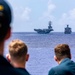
(67, 25)
(50, 23)
(49, 27)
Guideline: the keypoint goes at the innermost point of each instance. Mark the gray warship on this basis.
(68, 30)
(45, 31)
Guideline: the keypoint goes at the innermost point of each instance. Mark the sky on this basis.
(34, 14)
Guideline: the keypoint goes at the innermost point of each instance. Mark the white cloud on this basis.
(66, 18)
(50, 8)
(22, 13)
(26, 13)
(63, 19)
(72, 14)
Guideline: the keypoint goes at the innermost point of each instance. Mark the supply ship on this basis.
(68, 30)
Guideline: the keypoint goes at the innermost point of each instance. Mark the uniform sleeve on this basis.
(52, 72)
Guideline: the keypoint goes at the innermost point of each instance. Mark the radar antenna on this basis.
(49, 27)
(50, 23)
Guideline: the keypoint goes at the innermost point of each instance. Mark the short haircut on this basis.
(62, 51)
(18, 49)
(5, 19)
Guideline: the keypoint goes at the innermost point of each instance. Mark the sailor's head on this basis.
(5, 18)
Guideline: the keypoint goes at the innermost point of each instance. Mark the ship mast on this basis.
(49, 27)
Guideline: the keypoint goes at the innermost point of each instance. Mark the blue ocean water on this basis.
(41, 49)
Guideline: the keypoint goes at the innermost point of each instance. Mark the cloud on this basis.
(22, 13)
(26, 13)
(48, 13)
(68, 17)
(51, 6)
(72, 14)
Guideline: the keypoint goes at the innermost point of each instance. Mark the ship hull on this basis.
(67, 32)
(43, 32)
(46, 31)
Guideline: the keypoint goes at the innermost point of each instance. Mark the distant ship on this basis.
(68, 30)
(45, 31)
